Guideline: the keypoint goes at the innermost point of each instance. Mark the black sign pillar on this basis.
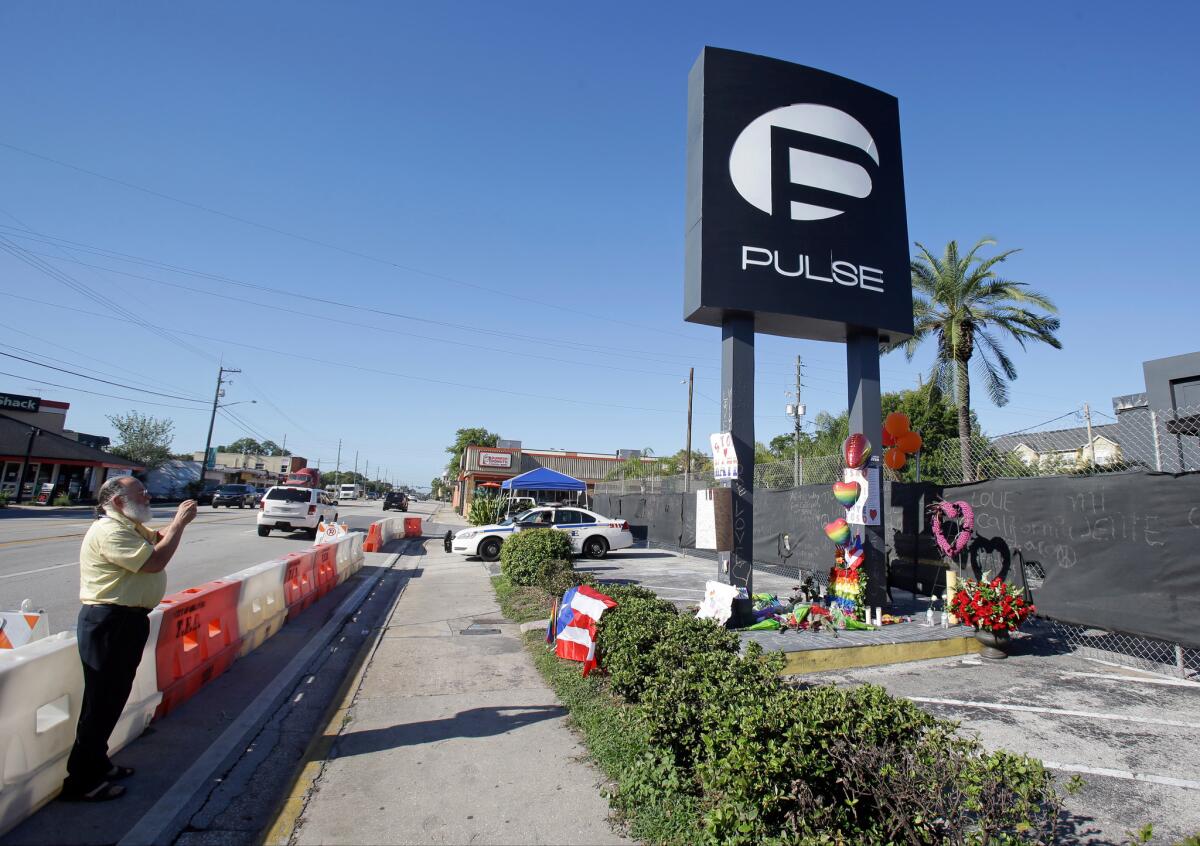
(866, 416)
(737, 418)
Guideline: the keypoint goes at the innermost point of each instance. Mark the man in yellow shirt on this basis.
(121, 579)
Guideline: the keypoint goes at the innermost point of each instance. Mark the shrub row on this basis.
(763, 761)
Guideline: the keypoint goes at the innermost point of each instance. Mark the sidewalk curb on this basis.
(288, 812)
(168, 816)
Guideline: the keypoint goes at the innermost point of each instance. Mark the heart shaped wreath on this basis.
(966, 526)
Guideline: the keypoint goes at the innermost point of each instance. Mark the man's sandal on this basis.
(118, 772)
(103, 792)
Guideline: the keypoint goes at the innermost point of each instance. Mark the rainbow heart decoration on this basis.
(838, 531)
(846, 493)
(856, 450)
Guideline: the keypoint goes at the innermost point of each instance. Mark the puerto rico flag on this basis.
(575, 625)
(854, 553)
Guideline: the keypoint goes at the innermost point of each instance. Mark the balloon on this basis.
(838, 531)
(896, 423)
(895, 458)
(889, 440)
(856, 450)
(909, 442)
(846, 493)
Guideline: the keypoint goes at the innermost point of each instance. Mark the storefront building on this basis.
(250, 469)
(46, 461)
(485, 468)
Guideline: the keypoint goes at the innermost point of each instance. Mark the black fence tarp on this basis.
(1116, 551)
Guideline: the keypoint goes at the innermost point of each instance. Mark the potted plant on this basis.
(995, 609)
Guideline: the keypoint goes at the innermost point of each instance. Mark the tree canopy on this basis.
(141, 438)
(252, 447)
(964, 303)
(464, 438)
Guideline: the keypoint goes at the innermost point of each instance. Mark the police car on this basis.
(591, 534)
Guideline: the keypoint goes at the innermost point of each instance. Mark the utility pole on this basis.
(355, 476)
(1087, 415)
(221, 371)
(34, 432)
(687, 472)
(796, 412)
(337, 472)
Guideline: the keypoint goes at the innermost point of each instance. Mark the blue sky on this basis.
(511, 177)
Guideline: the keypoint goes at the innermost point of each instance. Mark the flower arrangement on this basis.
(966, 526)
(991, 606)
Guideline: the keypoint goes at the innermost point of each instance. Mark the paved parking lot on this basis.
(1132, 736)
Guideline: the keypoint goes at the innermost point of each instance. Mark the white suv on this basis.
(291, 509)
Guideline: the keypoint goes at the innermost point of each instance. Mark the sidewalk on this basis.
(450, 735)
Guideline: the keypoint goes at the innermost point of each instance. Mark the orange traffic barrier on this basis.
(412, 527)
(374, 540)
(325, 556)
(197, 641)
(300, 581)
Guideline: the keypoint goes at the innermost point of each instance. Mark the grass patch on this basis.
(617, 741)
(520, 603)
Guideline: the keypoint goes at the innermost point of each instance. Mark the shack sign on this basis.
(795, 201)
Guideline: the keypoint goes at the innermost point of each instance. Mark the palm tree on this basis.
(966, 305)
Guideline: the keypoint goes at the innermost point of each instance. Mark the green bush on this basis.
(560, 576)
(626, 634)
(61, 499)
(486, 509)
(525, 557)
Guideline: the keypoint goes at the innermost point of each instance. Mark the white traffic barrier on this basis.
(145, 696)
(41, 690)
(23, 626)
(345, 558)
(262, 607)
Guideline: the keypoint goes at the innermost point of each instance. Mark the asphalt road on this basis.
(39, 551)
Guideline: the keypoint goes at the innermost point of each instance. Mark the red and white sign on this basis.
(495, 459)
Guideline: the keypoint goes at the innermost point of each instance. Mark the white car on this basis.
(591, 534)
(289, 509)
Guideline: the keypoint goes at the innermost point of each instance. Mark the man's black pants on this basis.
(111, 639)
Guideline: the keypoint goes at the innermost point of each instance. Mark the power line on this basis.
(591, 403)
(330, 246)
(97, 379)
(136, 382)
(32, 259)
(95, 393)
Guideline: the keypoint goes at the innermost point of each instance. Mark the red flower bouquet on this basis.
(991, 606)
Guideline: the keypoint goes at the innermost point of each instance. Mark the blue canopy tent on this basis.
(544, 480)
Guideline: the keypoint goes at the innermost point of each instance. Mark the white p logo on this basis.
(812, 149)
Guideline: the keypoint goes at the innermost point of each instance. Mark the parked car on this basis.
(205, 497)
(291, 509)
(591, 534)
(231, 495)
(395, 499)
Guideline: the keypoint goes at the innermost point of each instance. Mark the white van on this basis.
(291, 509)
(350, 492)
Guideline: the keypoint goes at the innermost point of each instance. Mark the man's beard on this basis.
(138, 512)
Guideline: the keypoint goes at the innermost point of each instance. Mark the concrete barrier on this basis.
(261, 606)
(41, 691)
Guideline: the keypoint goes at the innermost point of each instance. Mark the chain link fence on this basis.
(772, 476)
(1139, 438)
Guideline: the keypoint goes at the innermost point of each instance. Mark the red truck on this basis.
(305, 477)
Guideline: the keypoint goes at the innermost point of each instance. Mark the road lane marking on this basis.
(1138, 679)
(1058, 712)
(196, 522)
(39, 570)
(1125, 774)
